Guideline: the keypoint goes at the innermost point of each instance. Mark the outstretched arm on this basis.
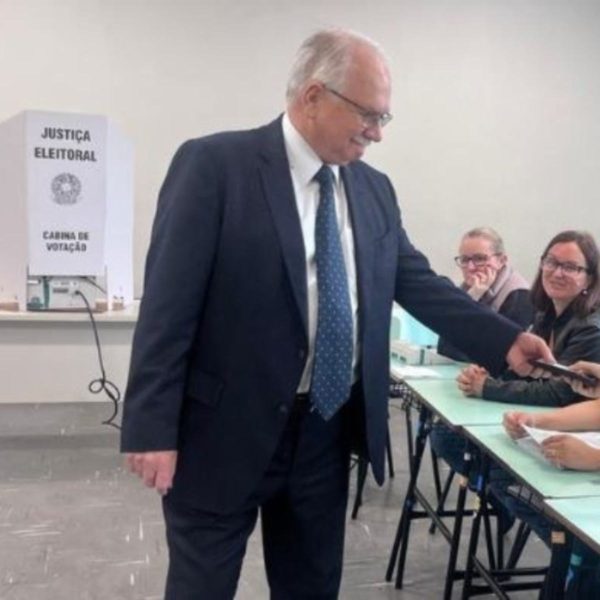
(527, 347)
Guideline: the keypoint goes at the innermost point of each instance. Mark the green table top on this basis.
(537, 474)
(410, 373)
(444, 399)
(581, 516)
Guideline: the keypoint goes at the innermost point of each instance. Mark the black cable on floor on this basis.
(102, 383)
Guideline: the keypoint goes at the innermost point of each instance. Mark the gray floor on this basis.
(75, 525)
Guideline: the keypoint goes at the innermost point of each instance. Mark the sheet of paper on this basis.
(528, 444)
(592, 438)
(414, 372)
(532, 442)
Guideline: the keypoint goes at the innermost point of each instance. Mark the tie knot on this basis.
(324, 176)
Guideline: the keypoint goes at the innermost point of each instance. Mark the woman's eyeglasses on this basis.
(478, 260)
(550, 264)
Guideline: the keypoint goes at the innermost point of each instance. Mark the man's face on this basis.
(343, 127)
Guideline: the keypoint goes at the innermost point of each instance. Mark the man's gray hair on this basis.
(326, 56)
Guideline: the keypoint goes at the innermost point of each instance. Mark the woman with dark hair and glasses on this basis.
(489, 279)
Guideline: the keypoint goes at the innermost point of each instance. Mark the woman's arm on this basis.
(582, 343)
(577, 417)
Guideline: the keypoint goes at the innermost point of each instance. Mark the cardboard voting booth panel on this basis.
(66, 212)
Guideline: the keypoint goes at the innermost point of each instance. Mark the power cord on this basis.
(102, 383)
(92, 282)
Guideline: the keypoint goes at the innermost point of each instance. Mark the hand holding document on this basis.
(574, 450)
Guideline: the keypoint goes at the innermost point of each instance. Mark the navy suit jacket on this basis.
(221, 339)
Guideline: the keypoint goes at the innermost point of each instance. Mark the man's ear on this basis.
(311, 98)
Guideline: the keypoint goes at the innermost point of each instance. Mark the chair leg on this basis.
(437, 480)
(361, 476)
(518, 545)
(442, 497)
(400, 545)
(409, 438)
(499, 545)
(390, 458)
(489, 539)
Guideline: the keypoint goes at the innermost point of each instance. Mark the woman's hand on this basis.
(481, 282)
(567, 451)
(513, 422)
(471, 379)
(587, 368)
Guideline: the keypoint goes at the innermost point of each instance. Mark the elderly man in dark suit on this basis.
(260, 358)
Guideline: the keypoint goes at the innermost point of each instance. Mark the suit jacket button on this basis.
(283, 408)
(301, 354)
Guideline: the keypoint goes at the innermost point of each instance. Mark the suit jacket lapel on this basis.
(361, 214)
(275, 173)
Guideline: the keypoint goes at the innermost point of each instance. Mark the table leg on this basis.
(458, 519)
(554, 583)
(400, 545)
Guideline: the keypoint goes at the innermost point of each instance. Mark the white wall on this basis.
(496, 101)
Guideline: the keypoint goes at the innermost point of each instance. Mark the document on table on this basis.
(414, 372)
(532, 442)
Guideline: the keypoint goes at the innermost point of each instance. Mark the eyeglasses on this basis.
(369, 117)
(478, 260)
(549, 263)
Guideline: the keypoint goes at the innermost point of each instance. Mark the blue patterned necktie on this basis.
(332, 369)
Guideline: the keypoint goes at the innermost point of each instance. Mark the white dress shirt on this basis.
(304, 164)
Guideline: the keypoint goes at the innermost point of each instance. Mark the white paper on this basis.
(591, 438)
(532, 442)
(528, 444)
(414, 372)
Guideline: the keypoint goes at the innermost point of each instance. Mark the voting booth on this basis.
(66, 212)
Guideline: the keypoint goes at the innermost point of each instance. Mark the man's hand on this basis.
(525, 348)
(156, 469)
(587, 368)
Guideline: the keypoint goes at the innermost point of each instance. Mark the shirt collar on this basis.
(303, 160)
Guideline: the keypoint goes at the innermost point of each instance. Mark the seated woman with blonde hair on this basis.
(489, 279)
